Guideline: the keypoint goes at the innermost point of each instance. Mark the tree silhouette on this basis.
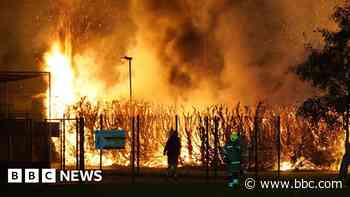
(328, 69)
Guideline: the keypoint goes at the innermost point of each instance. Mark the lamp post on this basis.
(129, 59)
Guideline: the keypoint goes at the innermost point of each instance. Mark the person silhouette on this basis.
(172, 150)
(232, 157)
(343, 171)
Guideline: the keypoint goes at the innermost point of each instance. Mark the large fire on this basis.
(304, 145)
(59, 63)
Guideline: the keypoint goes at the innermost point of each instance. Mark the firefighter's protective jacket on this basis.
(232, 155)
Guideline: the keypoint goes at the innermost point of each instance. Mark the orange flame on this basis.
(66, 91)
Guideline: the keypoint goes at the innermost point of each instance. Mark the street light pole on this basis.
(130, 80)
(129, 59)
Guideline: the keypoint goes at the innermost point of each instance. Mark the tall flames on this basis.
(304, 146)
(59, 63)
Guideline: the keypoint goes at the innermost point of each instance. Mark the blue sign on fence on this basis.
(110, 139)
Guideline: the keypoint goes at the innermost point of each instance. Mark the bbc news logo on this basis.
(51, 175)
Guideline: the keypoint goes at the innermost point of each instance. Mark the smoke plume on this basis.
(216, 51)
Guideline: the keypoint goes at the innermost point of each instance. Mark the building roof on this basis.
(7, 76)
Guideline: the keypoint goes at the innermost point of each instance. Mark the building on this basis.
(25, 130)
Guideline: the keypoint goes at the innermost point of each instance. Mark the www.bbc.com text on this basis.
(251, 183)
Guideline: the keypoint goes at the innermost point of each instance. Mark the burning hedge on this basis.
(305, 144)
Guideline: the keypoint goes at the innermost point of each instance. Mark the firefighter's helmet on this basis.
(234, 136)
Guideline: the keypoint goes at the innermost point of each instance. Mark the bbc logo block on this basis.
(48, 175)
(14, 175)
(31, 175)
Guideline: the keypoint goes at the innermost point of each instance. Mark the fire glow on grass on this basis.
(286, 166)
(158, 119)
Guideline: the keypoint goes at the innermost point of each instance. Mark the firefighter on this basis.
(232, 157)
(345, 165)
(172, 150)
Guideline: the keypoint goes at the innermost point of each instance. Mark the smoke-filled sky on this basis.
(209, 51)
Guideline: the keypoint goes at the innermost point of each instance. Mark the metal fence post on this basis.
(49, 143)
(133, 150)
(81, 147)
(138, 145)
(256, 131)
(278, 143)
(216, 148)
(77, 143)
(176, 123)
(207, 148)
(101, 151)
(64, 143)
(61, 144)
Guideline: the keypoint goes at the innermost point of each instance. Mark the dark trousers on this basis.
(344, 169)
(344, 165)
(232, 176)
(172, 165)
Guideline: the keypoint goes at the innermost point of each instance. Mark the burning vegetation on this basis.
(86, 82)
(305, 145)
